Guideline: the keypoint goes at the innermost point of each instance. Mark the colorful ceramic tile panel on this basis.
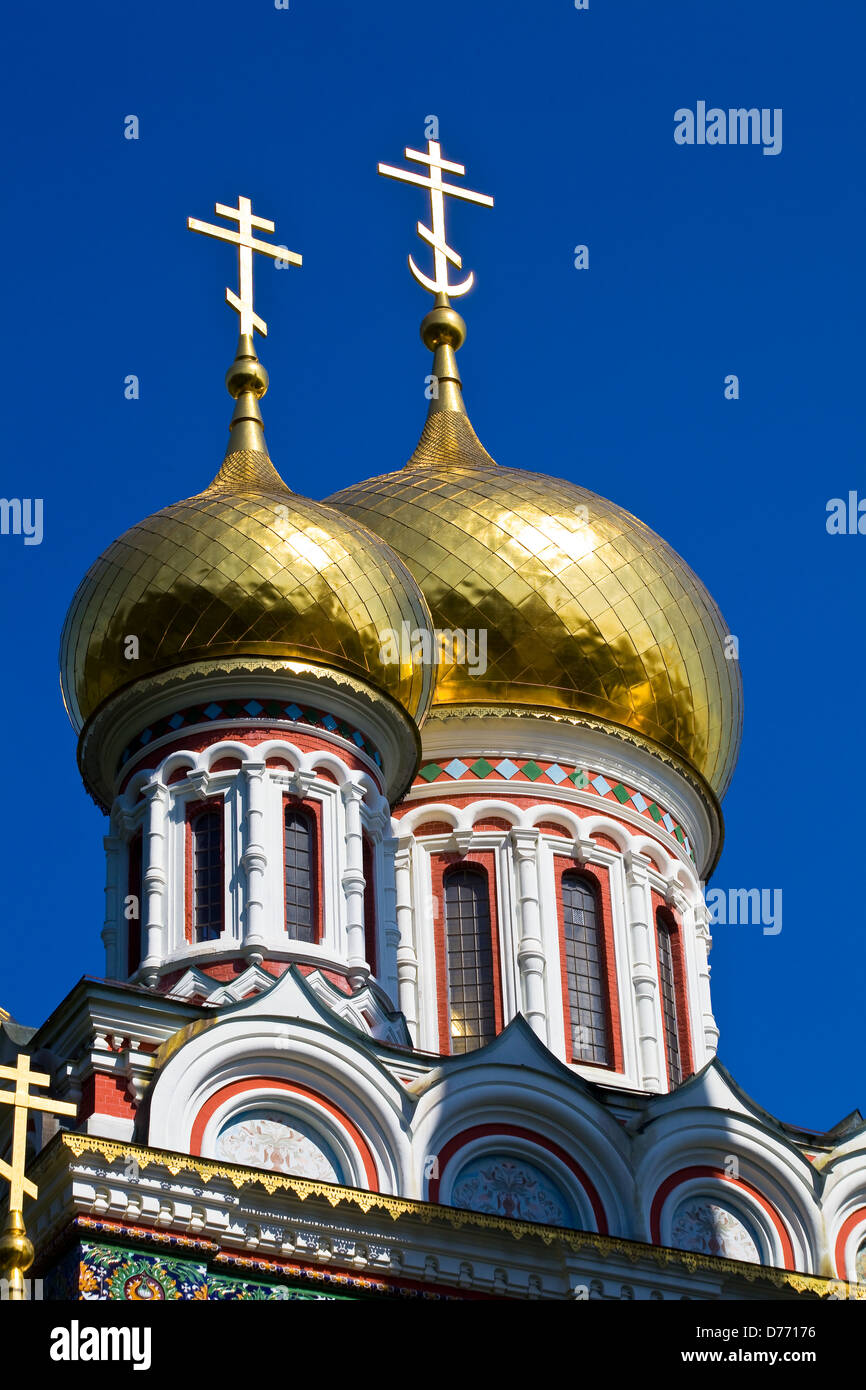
(528, 770)
(94, 1272)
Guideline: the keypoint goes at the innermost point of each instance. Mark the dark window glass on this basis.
(369, 908)
(669, 1002)
(300, 918)
(469, 954)
(133, 926)
(584, 969)
(207, 868)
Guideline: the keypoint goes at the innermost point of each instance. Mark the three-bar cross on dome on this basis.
(245, 569)
(589, 614)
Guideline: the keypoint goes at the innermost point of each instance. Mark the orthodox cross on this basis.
(435, 235)
(246, 243)
(21, 1101)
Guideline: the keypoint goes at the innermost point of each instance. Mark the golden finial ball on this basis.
(443, 326)
(246, 374)
(16, 1251)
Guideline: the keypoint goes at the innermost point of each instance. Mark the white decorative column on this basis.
(114, 847)
(154, 881)
(407, 959)
(255, 862)
(643, 972)
(388, 969)
(530, 950)
(353, 884)
(703, 944)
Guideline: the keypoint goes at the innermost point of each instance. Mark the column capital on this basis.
(254, 768)
(301, 784)
(582, 847)
(525, 841)
(352, 794)
(155, 792)
(675, 897)
(636, 868)
(200, 782)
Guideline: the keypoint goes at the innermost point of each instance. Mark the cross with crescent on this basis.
(435, 235)
(246, 243)
(21, 1101)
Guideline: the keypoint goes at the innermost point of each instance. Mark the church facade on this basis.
(411, 797)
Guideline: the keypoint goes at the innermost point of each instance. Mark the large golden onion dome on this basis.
(587, 611)
(246, 568)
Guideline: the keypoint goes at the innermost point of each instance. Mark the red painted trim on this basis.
(370, 943)
(842, 1240)
(678, 956)
(194, 809)
(686, 1174)
(236, 1088)
(439, 863)
(598, 876)
(518, 1132)
(134, 889)
(312, 812)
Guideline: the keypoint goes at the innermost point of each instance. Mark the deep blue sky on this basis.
(703, 261)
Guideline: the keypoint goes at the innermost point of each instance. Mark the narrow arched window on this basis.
(134, 905)
(299, 846)
(668, 982)
(469, 957)
(585, 974)
(207, 875)
(370, 945)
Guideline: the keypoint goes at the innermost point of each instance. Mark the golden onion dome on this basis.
(587, 611)
(246, 568)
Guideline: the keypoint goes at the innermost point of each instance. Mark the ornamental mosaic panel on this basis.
(113, 1273)
(708, 1228)
(271, 711)
(503, 1186)
(280, 1142)
(556, 774)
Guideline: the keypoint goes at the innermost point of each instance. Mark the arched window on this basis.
(299, 844)
(469, 958)
(585, 974)
(668, 982)
(369, 907)
(207, 874)
(134, 909)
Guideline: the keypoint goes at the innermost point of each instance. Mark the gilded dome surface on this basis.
(587, 611)
(245, 568)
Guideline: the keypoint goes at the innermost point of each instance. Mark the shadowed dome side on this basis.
(244, 568)
(587, 611)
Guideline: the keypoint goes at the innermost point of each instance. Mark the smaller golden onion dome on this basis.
(587, 613)
(246, 568)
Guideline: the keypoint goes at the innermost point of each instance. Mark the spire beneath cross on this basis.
(435, 235)
(246, 243)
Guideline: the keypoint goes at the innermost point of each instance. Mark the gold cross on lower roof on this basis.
(22, 1101)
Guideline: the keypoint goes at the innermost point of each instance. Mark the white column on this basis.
(703, 944)
(114, 955)
(390, 934)
(643, 972)
(255, 862)
(530, 950)
(154, 881)
(407, 959)
(353, 884)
